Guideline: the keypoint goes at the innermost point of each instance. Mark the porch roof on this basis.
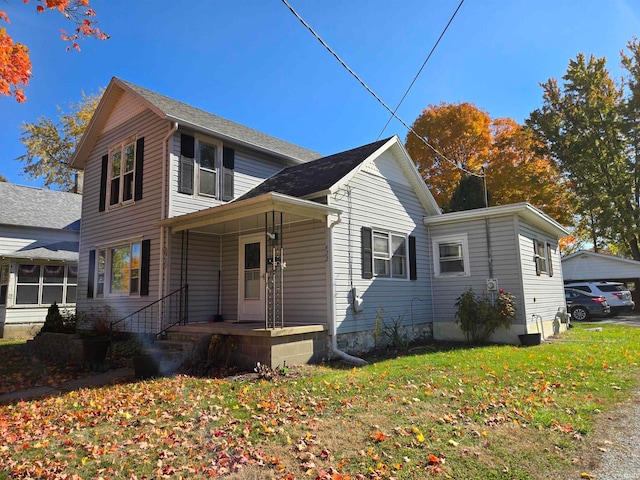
(294, 209)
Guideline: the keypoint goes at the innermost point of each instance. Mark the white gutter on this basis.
(332, 318)
(166, 158)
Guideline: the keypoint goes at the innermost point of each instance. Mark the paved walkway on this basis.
(96, 380)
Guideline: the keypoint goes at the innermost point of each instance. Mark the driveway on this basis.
(631, 319)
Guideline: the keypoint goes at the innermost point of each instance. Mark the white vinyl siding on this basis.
(372, 200)
(14, 238)
(250, 170)
(117, 225)
(505, 257)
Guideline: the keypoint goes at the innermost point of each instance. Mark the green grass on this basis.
(495, 412)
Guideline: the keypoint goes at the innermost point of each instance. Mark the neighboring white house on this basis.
(213, 220)
(584, 265)
(510, 247)
(39, 232)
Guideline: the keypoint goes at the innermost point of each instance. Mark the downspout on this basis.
(166, 158)
(332, 320)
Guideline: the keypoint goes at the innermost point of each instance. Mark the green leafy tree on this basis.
(50, 143)
(589, 126)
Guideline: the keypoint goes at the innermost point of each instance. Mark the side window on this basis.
(207, 170)
(451, 256)
(540, 257)
(388, 255)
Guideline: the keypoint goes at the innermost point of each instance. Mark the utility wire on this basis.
(355, 75)
(420, 71)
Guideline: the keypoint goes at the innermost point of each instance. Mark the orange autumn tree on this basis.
(461, 135)
(471, 140)
(15, 64)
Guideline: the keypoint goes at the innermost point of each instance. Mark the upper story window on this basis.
(122, 164)
(206, 168)
(451, 256)
(45, 284)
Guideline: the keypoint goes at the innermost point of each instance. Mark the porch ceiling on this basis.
(249, 214)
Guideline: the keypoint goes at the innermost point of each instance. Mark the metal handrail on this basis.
(182, 314)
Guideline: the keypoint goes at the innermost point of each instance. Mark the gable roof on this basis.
(524, 210)
(37, 207)
(187, 116)
(316, 176)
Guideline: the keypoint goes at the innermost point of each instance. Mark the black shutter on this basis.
(549, 263)
(367, 253)
(187, 156)
(139, 161)
(144, 267)
(103, 183)
(186, 175)
(536, 258)
(413, 267)
(92, 273)
(228, 165)
(187, 146)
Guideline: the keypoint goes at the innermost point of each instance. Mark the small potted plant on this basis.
(96, 339)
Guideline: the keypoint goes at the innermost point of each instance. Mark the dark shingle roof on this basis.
(179, 111)
(315, 176)
(38, 207)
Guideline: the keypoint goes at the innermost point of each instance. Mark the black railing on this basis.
(157, 317)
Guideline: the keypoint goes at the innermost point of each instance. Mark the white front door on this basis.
(251, 278)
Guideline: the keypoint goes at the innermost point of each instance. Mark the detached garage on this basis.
(589, 266)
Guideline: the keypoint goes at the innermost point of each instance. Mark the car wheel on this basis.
(580, 313)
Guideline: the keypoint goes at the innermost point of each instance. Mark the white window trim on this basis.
(544, 258)
(389, 235)
(121, 145)
(106, 291)
(218, 168)
(462, 239)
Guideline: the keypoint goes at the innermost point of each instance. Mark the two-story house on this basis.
(192, 218)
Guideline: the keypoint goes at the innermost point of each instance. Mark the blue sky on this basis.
(251, 61)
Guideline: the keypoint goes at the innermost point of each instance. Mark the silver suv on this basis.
(616, 294)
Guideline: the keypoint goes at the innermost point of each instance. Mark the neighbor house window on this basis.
(46, 284)
(451, 256)
(122, 161)
(118, 270)
(389, 255)
(4, 283)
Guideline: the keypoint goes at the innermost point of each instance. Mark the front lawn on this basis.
(497, 412)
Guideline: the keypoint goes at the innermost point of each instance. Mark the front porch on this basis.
(246, 343)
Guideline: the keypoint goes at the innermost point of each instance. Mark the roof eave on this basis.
(526, 210)
(251, 206)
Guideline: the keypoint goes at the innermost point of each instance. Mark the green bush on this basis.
(480, 317)
(57, 322)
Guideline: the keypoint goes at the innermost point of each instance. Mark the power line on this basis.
(420, 70)
(355, 75)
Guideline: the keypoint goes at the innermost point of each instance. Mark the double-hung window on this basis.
(207, 170)
(122, 164)
(542, 256)
(451, 256)
(389, 254)
(46, 284)
(118, 270)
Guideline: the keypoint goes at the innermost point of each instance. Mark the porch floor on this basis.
(250, 342)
